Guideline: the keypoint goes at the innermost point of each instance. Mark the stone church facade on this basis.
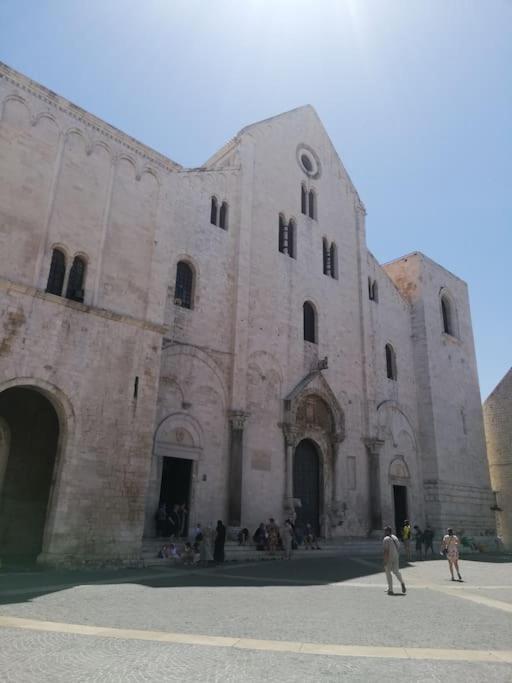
(218, 336)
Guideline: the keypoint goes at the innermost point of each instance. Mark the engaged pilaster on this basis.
(237, 420)
(373, 447)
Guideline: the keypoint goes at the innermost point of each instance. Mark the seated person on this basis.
(188, 555)
(243, 536)
(173, 552)
(163, 552)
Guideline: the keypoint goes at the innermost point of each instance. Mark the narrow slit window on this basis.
(447, 315)
(57, 273)
(390, 362)
(223, 216)
(213, 211)
(75, 289)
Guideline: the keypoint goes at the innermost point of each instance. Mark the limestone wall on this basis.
(498, 431)
(457, 486)
(68, 180)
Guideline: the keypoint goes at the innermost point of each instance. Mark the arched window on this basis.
(309, 322)
(446, 311)
(282, 234)
(184, 285)
(325, 254)
(57, 272)
(390, 362)
(333, 260)
(223, 216)
(291, 239)
(312, 204)
(213, 211)
(75, 289)
(303, 200)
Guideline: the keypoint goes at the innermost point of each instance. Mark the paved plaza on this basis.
(306, 620)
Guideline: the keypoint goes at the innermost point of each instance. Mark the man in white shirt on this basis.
(391, 545)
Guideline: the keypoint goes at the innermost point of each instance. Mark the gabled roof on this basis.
(297, 111)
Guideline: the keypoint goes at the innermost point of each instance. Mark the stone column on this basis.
(290, 438)
(237, 420)
(374, 500)
(336, 440)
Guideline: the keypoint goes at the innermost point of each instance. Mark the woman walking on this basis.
(450, 549)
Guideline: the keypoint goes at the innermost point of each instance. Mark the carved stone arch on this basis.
(15, 118)
(102, 145)
(148, 170)
(316, 385)
(41, 121)
(178, 434)
(202, 357)
(399, 470)
(392, 419)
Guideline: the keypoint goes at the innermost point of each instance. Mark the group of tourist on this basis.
(271, 538)
(206, 546)
(423, 540)
(391, 547)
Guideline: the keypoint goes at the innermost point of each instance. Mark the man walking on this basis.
(391, 544)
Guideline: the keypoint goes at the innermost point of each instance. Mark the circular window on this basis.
(306, 162)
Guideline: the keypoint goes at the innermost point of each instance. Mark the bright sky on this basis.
(415, 94)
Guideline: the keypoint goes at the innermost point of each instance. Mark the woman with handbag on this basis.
(450, 549)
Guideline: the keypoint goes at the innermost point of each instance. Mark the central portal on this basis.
(306, 485)
(175, 487)
(400, 502)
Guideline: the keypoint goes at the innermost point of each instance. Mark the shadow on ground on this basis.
(20, 584)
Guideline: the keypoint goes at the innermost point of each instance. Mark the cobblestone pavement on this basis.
(322, 619)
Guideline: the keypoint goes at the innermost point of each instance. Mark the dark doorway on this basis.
(175, 488)
(34, 433)
(306, 485)
(400, 500)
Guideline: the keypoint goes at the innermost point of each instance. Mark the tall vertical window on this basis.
(223, 216)
(312, 204)
(325, 255)
(75, 289)
(57, 273)
(184, 285)
(213, 211)
(390, 362)
(303, 200)
(333, 260)
(282, 234)
(373, 291)
(291, 238)
(309, 322)
(446, 311)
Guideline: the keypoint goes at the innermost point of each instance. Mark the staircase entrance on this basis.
(30, 434)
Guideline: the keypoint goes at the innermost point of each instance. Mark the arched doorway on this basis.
(33, 428)
(306, 484)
